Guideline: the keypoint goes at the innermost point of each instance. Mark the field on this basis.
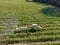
(28, 13)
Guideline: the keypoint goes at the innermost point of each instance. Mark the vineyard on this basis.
(28, 13)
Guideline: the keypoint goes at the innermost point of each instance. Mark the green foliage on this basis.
(29, 13)
(31, 39)
(10, 41)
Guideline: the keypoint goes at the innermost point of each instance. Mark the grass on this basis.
(32, 12)
(23, 10)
